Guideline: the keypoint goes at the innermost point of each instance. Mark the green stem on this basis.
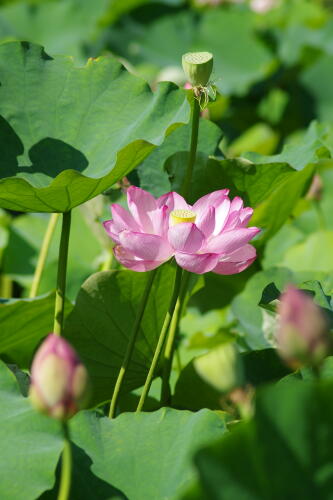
(193, 148)
(179, 361)
(66, 466)
(62, 269)
(161, 339)
(6, 286)
(107, 264)
(131, 344)
(170, 344)
(43, 254)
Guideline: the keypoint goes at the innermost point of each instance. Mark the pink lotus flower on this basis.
(58, 379)
(211, 235)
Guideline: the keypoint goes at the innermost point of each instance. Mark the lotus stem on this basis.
(170, 344)
(66, 466)
(43, 254)
(62, 270)
(193, 148)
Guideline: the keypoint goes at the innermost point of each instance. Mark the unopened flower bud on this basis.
(198, 67)
(303, 334)
(59, 380)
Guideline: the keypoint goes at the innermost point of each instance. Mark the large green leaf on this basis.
(68, 133)
(24, 322)
(284, 452)
(30, 444)
(100, 324)
(146, 455)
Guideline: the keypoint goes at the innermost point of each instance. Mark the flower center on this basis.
(178, 216)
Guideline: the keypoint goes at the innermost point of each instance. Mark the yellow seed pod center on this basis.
(178, 216)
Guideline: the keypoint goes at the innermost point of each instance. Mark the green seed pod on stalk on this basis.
(198, 67)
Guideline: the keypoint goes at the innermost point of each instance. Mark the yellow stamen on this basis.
(178, 216)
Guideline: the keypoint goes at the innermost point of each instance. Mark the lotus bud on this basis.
(303, 333)
(59, 380)
(222, 368)
(198, 67)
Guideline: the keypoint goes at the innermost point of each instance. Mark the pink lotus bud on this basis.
(58, 379)
(303, 332)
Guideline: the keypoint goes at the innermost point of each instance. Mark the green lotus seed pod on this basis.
(198, 67)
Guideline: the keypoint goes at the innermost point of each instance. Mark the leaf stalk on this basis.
(62, 271)
(43, 254)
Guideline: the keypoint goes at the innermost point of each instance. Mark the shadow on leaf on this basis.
(85, 485)
(48, 156)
